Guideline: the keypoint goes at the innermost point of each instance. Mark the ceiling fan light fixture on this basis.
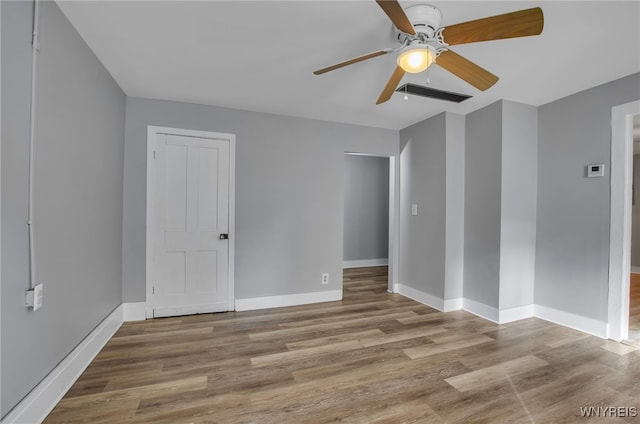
(416, 57)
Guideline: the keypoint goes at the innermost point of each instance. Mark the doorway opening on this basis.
(369, 236)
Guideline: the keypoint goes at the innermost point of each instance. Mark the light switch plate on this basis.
(414, 209)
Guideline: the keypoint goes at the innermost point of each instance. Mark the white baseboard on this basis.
(453, 304)
(365, 262)
(577, 322)
(266, 302)
(420, 296)
(635, 269)
(35, 407)
(481, 310)
(134, 311)
(476, 308)
(586, 325)
(515, 314)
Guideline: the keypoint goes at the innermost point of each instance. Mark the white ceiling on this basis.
(260, 55)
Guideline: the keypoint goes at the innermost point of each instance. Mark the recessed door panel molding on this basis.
(208, 189)
(189, 204)
(174, 187)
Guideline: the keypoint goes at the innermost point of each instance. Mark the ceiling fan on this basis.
(423, 42)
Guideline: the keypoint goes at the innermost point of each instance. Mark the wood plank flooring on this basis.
(373, 357)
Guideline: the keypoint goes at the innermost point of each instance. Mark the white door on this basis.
(190, 225)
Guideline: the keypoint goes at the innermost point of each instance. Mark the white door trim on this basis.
(620, 218)
(151, 134)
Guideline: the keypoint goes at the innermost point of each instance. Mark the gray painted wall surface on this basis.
(482, 199)
(78, 197)
(635, 235)
(366, 207)
(518, 204)
(289, 193)
(454, 260)
(572, 241)
(422, 182)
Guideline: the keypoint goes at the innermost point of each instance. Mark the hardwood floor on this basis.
(634, 311)
(373, 357)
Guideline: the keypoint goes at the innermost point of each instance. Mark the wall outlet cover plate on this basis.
(595, 170)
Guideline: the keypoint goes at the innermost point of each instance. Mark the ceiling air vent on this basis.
(420, 90)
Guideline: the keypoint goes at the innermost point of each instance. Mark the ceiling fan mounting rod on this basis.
(425, 20)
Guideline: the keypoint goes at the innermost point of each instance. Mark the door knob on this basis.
(224, 236)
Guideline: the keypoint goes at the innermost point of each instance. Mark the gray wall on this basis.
(572, 242)
(289, 193)
(454, 261)
(423, 182)
(482, 217)
(500, 215)
(518, 204)
(366, 208)
(78, 196)
(635, 217)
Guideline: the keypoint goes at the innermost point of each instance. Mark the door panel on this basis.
(208, 189)
(205, 271)
(175, 184)
(172, 275)
(191, 211)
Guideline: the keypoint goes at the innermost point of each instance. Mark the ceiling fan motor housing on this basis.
(424, 18)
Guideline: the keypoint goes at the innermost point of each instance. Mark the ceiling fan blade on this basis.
(390, 88)
(463, 68)
(395, 12)
(351, 61)
(522, 23)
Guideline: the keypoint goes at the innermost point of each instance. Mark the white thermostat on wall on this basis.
(595, 170)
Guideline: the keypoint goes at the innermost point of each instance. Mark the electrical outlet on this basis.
(325, 278)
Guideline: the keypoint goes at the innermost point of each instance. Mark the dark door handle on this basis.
(224, 236)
